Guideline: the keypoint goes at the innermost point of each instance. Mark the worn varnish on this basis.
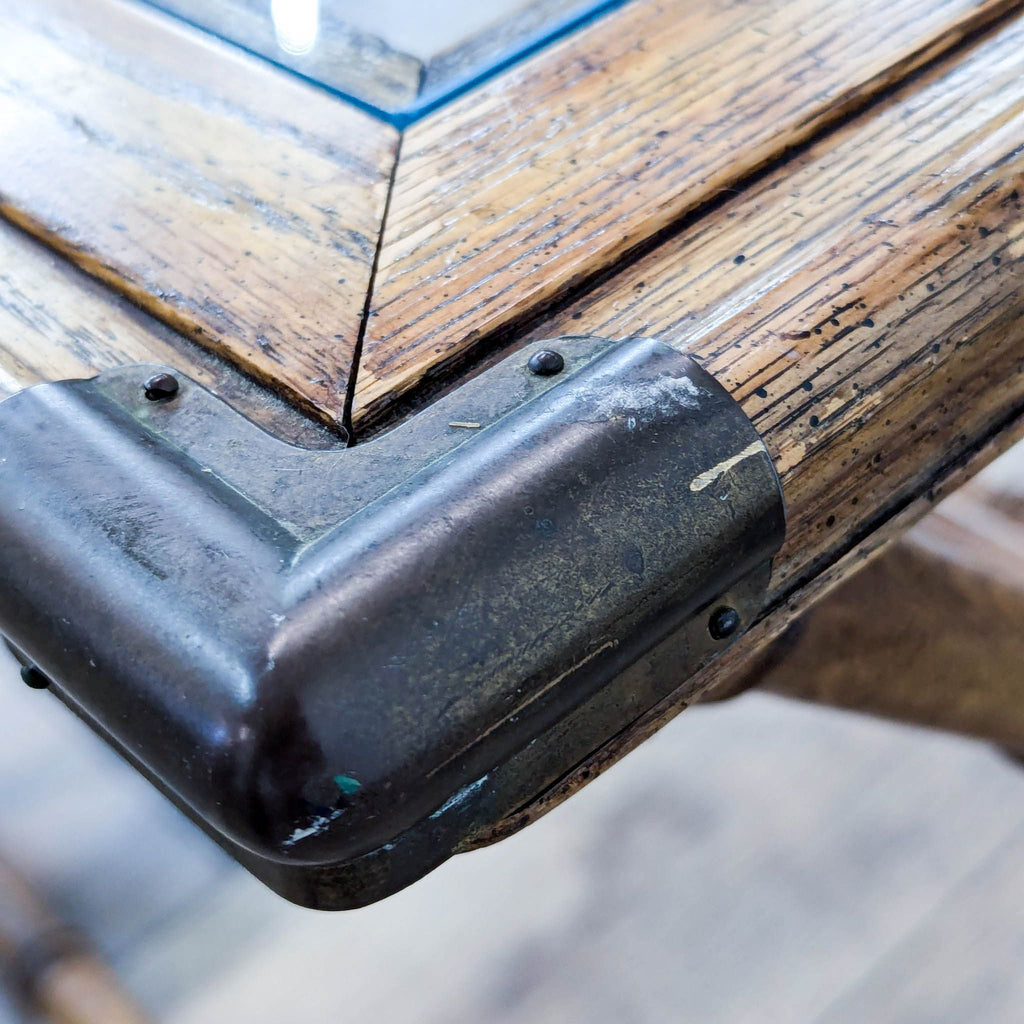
(863, 303)
(56, 322)
(866, 305)
(236, 203)
(553, 170)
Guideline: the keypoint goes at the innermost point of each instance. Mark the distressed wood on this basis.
(929, 633)
(550, 172)
(862, 303)
(866, 306)
(231, 200)
(56, 322)
(916, 212)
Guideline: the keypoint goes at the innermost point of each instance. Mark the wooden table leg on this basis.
(931, 631)
(51, 966)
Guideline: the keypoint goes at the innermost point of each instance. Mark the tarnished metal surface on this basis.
(346, 664)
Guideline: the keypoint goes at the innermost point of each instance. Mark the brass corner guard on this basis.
(344, 663)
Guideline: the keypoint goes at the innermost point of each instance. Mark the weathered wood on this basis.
(550, 172)
(233, 201)
(931, 631)
(865, 304)
(917, 213)
(57, 322)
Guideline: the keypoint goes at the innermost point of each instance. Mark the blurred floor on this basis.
(756, 861)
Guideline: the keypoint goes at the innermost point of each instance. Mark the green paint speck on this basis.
(347, 784)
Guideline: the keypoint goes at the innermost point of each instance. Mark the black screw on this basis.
(160, 386)
(546, 363)
(31, 676)
(723, 623)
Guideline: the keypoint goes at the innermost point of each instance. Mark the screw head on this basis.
(31, 676)
(723, 623)
(546, 363)
(161, 386)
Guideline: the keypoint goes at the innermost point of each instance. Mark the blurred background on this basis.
(759, 860)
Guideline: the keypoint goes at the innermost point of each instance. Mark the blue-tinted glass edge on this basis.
(427, 104)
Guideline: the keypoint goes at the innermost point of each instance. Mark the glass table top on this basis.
(398, 58)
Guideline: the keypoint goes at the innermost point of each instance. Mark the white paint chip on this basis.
(709, 476)
(314, 828)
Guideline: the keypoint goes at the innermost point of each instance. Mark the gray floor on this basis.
(759, 861)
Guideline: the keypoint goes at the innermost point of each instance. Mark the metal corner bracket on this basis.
(345, 664)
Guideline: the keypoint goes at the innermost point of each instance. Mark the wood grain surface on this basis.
(550, 172)
(234, 202)
(866, 306)
(57, 322)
